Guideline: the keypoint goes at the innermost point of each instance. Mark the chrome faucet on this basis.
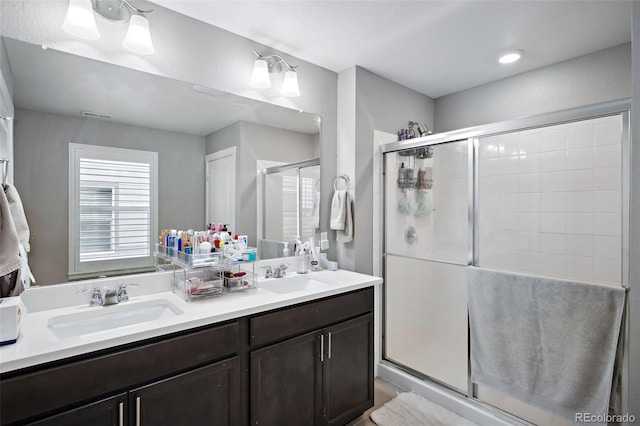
(111, 296)
(280, 271)
(277, 272)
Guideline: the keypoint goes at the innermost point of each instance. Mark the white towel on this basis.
(9, 243)
(19, 218)
(338, 210)
(346, 235)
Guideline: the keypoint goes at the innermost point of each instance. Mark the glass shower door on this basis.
(427, 245)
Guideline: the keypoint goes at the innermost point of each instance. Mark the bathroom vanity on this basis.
(295, 353)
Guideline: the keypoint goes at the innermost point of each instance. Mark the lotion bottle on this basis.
(285, 250)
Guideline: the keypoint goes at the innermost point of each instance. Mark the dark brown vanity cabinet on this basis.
(108, 412)
(205, 396)
(348, 370)
(306, 364)
(286, 383)
(165, 381)
(321, 377)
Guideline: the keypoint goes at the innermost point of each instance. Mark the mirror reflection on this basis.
(63, 99)
(289, 201)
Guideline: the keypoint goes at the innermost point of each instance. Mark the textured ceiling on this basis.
(435, 47)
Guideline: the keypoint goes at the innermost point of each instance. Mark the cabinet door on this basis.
(286, 383)
(108, 412)
(348, 369)
(206, 396)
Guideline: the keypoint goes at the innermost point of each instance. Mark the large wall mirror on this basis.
(124, 108)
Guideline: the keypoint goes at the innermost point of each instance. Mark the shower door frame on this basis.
(620, 107)
(298, 166)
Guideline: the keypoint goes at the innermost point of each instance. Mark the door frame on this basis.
(227, 152)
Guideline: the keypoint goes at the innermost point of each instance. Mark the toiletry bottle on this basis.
(302, 260)
(285, 250)
(171, 241)
(402, 176)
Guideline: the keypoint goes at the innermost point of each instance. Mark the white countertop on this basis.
(37, 344)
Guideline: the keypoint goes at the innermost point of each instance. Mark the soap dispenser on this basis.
(285, 250)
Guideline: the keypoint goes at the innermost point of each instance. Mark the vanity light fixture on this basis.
(80, 22)
(264, 65)
(510, 56)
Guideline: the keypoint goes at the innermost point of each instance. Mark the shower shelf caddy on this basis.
(203, 275)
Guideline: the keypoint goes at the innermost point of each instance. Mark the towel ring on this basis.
(346, 180)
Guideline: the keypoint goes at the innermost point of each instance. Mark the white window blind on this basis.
(112, 208)
(296, 220)
(289, 208)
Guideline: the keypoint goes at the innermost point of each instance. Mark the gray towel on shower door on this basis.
(548, 342)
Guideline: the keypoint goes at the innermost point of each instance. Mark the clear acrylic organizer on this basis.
(204, 275)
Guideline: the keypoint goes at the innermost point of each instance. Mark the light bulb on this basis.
(260, 77)
(510, 57)
(290, 84)
(80, 20)
(138, 38)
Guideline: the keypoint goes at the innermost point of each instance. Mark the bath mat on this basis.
(410, 409)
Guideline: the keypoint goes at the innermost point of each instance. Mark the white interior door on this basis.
(221, 188)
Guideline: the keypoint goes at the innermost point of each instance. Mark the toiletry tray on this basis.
(204, 275)
(211, 281)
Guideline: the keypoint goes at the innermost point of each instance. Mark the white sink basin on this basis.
(295, 283)
(102, 318)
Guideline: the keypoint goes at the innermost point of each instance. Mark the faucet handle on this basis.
(96, 296)
(268, 271)
(123, 296)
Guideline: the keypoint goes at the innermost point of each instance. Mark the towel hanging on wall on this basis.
(342, 211)
(17, 213)
(9, 243)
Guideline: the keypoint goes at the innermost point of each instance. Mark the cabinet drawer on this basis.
(296, 320)
(43, 391)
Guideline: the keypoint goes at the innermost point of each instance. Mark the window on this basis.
(112, 209)
(297, 202)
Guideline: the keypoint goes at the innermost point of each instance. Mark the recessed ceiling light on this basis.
(511, 56)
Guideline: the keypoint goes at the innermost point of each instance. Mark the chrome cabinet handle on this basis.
(138, 411)
(121, 414)
(322, 348)
(329, 345)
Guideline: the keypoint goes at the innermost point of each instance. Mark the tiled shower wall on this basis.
(550, 201)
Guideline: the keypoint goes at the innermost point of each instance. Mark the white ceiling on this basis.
(435, 47)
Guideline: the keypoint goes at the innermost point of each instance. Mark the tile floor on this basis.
(383, 393)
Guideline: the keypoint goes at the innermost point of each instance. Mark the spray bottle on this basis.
(301, 258)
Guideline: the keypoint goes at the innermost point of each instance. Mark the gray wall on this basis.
(42, 178)
(5, 67)
(189, 50)
(258, 142)
(387, 106)
(346, 152)
(589, 79)
(634, 253)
